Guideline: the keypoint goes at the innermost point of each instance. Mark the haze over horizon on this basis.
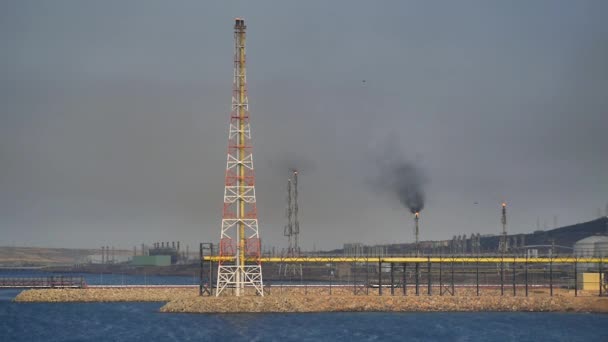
(114, 120)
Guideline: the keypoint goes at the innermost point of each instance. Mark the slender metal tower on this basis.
(240, 236)
(288, 230)
(503, 245)
(296, 222)
(292, 228)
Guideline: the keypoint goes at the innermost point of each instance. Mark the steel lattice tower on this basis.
(296, 222)
(240, 236)
(292, 228)
(288, 230)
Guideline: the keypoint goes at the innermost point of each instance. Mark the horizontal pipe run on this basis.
(471, 260)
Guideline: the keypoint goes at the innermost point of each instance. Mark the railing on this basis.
(43, 282)
(442, 275)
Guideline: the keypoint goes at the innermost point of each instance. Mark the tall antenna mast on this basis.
(240, 237)
(292, 228)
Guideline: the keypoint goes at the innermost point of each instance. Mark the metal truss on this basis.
(228, 277)
(239, 251)
(292, 229)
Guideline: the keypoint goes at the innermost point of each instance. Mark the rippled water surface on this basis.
(108, 279)
(143, 322)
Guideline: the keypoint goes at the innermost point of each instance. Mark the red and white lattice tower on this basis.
(240, 237)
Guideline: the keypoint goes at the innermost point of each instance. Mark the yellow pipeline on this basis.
(469, 260)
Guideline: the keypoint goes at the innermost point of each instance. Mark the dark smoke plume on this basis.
(406, 180)
(401, 178)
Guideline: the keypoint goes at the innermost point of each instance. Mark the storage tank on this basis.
(592, 246)
(601, 248)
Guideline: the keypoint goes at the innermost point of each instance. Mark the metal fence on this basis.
(442, 276)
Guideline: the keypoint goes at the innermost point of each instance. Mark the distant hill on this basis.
(38, 256)
(563, 236)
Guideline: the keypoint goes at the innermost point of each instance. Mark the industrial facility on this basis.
(499, 259)
(571, 257)
(160, 254)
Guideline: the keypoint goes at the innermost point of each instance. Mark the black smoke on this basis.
(406, 181)
(400, 178)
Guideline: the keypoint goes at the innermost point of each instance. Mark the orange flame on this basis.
(417, 214)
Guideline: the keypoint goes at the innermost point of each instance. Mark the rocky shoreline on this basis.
(105, 295)
(384, 304)
(186, 300)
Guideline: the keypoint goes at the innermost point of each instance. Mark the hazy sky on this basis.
(114, 116)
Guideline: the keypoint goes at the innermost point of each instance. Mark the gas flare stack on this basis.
(240, 238)
(417, 232)
(503, 244)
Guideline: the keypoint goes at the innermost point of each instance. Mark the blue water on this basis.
(109, 279)
(138, 279)
(142, 322)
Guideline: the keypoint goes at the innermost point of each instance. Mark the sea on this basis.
(143, 322)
